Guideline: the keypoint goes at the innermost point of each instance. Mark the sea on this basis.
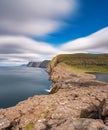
(19, 83)
(101, 77)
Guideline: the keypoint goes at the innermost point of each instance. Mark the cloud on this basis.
(34, 17)
(20, 49)
(96, 42)
(20, 44)
(22, 18)
(18, 59)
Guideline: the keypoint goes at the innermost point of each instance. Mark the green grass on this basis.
(29, 126)
(46, 113)
(53, 62)
(93, 68)
(71, 67)
(83, 62)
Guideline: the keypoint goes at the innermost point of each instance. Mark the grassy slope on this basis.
(83, 62)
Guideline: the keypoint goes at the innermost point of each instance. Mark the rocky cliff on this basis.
(33, 64)
(77, 102)
(82, 62)
(42, 64)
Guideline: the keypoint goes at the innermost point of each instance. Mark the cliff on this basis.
(76, 102)
(82, 62)
(33, 64)
(42, 64)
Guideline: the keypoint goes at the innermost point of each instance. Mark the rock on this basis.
(42, 64)
(4, 123)
(40, 126)
(80, 124)
(33, 64)
(104, 104)
(103, 112)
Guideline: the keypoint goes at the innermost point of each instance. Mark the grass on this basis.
(53, 62)
(93, 68)
(29, 126)
(46, 113)
(83, 62)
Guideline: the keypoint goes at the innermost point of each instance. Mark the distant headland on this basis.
(42, 64)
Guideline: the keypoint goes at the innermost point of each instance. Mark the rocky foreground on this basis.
(76, 102)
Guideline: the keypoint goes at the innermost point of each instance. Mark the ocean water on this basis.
(20, 83)
(101, 77)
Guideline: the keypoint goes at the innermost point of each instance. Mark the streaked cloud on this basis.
(34, 17)
(22, 18)
(18, 49)
(96, 42)
(18, 59)
(20, 44)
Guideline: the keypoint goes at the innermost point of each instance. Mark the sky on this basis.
(34, 30)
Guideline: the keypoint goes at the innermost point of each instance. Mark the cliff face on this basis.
(76, 102)
(42, 64)
(33, 64)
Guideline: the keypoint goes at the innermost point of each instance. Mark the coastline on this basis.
(73, 99)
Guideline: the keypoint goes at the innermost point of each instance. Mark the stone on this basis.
(4, 123)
